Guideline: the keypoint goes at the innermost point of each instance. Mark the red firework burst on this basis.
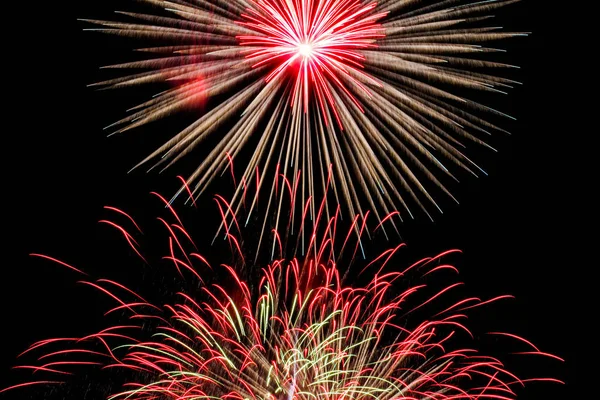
(395, 76)
(292, 330)
(321, 38)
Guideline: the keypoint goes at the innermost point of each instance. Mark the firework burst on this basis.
(292, 330)
(375, 90)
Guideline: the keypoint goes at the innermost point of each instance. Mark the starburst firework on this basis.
(301, 333)
(373, 89)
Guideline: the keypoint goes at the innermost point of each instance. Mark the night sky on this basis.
(516, 227)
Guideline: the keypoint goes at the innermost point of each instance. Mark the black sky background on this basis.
(516, 227)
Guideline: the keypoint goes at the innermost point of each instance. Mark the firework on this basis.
(372, 92)
(296, 330)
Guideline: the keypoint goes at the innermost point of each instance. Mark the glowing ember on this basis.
(305, 50)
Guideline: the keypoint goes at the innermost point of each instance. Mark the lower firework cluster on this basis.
(292, 329)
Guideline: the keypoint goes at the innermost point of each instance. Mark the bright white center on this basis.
(305, 50)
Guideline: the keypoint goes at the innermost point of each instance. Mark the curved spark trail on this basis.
(375, 90)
